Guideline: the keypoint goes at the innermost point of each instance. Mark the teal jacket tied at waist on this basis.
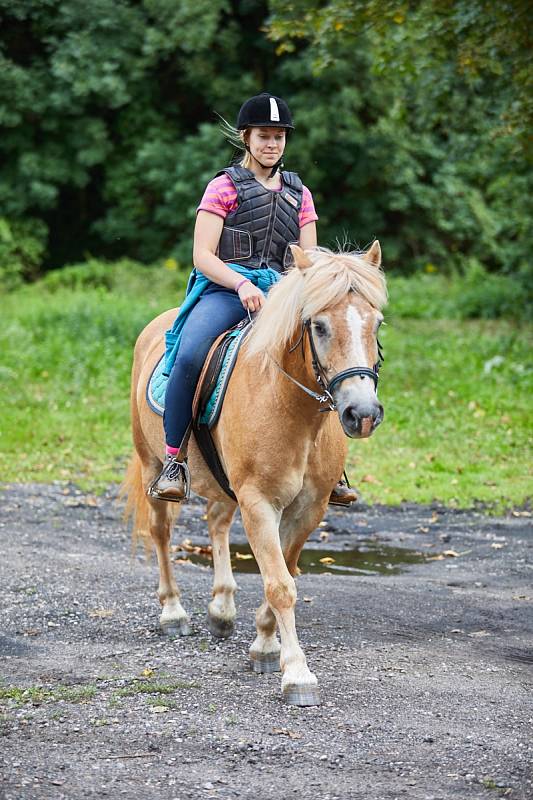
(198, 283)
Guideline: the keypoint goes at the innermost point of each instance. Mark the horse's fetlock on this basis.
(228, 588)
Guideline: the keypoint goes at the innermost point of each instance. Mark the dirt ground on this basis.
(425, 673)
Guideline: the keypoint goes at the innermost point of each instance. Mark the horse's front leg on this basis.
(297, 522)
(221, 610)
(261, 520)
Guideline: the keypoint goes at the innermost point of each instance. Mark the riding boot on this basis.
(342, 495)
(173, 484)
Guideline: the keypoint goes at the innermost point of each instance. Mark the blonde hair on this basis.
(300, 295)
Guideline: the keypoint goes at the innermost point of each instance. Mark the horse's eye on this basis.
(319, 328)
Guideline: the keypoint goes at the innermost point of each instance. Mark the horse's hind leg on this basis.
(221, 610)
(173, 617)
(265, 649)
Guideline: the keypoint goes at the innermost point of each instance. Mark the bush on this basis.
(125, 276)
(473, 293)
(22, 249)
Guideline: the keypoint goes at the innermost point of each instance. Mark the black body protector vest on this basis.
(258, 233)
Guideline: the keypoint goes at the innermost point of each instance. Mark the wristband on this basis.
(241, 283)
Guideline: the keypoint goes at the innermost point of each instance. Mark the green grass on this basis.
(455, 430)
(152, 687)
(20, 696)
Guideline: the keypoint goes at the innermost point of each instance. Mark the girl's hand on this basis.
(251, 297)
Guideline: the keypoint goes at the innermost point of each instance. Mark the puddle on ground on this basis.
(367, 559)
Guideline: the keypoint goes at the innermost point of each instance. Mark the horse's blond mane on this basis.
(300, 295)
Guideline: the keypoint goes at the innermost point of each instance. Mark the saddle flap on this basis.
(216, 373)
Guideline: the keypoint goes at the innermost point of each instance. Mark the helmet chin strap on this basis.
(274, 169)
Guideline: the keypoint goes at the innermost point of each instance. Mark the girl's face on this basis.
(266, 144)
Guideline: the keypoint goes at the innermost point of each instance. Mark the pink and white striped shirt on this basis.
(220, 197)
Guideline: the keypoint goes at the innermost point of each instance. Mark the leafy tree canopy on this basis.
(411, 123)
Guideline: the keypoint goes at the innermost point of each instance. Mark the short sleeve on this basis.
(220, 197)
(307, 211)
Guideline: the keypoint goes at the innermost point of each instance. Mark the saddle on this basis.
(209, 395)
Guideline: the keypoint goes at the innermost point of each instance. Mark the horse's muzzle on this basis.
(359, 422)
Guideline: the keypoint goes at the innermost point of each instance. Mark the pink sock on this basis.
(173, 451)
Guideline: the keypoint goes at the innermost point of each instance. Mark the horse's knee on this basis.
(280, 593)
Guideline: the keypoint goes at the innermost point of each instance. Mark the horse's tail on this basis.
(137, 507)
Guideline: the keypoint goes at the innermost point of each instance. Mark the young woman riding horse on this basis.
(313, 349)
(249, 216)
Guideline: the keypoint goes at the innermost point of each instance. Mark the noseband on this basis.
(320, 374)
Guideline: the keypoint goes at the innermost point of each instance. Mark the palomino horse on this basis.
(282, 455)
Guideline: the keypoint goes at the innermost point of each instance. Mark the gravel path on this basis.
(425, 675)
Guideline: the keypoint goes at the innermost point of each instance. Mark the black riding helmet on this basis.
(265, 111)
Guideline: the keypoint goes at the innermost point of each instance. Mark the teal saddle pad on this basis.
(157, 385)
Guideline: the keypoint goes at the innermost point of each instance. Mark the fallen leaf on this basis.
(324, 536)
(285, 732)
(243, 556)
(327, 560)
(497, 546)
(101, 612)
(308, 599)
(146, 673)
(450, 554)
(159, 709)
(521, 513)
(434, 518)
(72, 502)
(515, 597)
(479, 633)
(422, 529)
(322, 524)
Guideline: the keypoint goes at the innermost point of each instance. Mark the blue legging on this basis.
(217, 310)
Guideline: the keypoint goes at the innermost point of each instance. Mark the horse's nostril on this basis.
(351, 418)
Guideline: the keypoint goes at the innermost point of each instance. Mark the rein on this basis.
(320, 375)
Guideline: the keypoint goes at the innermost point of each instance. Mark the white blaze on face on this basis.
(354, 389)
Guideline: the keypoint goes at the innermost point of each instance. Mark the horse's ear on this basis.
(301, 260)
(373, 254)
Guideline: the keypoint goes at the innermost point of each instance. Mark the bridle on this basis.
(320, 375)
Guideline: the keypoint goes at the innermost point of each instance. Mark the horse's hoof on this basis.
(301, 695)
(179, 627)
(264, 663)
(221, 628)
